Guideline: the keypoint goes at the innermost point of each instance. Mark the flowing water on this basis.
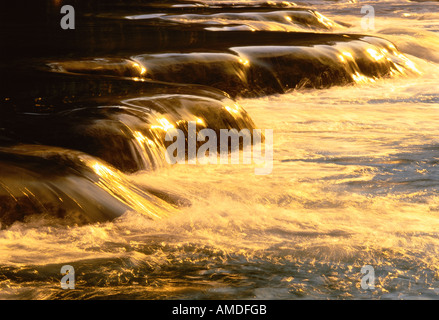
(355, 179)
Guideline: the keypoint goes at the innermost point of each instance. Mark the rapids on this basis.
(355, 180)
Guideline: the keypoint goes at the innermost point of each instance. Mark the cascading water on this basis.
(84, 180)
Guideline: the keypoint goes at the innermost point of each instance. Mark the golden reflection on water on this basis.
(165, 125)
(374, 54)
(354, 183)
(114, 183)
